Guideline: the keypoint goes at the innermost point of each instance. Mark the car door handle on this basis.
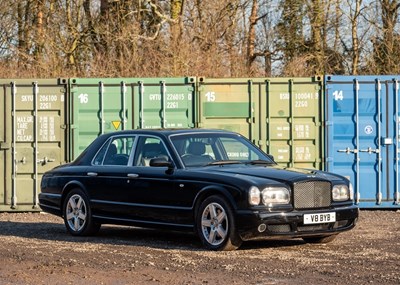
(133, 175)
(91, 174)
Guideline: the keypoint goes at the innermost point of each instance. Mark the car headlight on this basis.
(254, 196)
(275, 195)
(340, 193)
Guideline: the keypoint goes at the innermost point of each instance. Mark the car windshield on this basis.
(204, 149)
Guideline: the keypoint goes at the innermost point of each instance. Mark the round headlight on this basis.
(254, 196)
(340, 193)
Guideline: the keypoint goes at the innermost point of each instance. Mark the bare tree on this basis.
(386, 45)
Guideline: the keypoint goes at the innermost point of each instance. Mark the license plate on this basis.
(319, 218)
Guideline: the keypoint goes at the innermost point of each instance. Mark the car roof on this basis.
(167, 132)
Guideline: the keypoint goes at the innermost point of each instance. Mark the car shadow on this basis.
(125, 236)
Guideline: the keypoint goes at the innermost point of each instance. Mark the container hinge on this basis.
(396, 198)
(379, 198)
(4, 145)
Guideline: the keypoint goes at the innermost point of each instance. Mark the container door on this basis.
(294, 118)
(164, 102)
(98, 106)
(229, 104)
(35, 139)
(362, 136)
(103, 105)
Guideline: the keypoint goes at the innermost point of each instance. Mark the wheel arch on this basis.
(218, 190)
(68, 188)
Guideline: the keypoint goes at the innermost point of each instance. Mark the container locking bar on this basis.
(35, 92)
(370, 150)
(45, 160)
(348, 150)
(14, 145)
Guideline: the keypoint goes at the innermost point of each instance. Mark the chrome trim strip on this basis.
(140, 205)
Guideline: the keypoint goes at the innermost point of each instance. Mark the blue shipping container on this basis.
(362, 136)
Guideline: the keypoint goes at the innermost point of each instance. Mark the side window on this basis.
(98, 160)
(148, 148)
(115, 152)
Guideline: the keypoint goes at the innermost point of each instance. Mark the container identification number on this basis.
(338, 95)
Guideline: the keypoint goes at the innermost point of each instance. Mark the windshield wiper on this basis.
(259, 161)
(223, 162)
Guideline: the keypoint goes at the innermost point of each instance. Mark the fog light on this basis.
(262, 228)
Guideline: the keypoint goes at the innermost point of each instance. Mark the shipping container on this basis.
(362, 136)
(283, 116)
(33, 136)
(101, 105)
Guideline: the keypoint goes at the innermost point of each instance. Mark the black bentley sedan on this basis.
(213, 182)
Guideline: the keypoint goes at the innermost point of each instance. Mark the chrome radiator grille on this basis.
(312, 194)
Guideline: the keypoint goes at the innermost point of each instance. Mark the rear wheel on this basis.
(215, 225)
(327, 239)
(78, 215)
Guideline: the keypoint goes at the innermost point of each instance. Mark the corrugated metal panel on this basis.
(101, 105)
(283, 116)
(362, 136)
(295, 121)
(32, 140)
(230, 104)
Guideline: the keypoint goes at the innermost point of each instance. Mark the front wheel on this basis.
(215, 224)
(319, 239)
(78, 215)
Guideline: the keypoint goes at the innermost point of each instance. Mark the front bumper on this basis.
(276, 225)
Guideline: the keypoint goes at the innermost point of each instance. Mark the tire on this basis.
(78, 215)
(326, 239)
(215, 224)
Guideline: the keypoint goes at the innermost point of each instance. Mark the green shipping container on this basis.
(101, 105)
(283, 116)
(32, 138)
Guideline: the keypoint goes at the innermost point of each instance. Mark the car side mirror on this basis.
(161, 162)
(271, 156)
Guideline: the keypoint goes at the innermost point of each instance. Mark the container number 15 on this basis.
(210, 96)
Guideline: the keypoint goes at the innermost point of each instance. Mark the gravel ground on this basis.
(35, 249)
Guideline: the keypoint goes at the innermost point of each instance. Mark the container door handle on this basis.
(133, 175)
(45, 160)
(370, 150)
(22, 160)
(93, 174)
(348, 150)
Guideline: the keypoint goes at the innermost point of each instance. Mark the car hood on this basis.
(275, 172)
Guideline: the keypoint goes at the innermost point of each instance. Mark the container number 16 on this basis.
(83, 98)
